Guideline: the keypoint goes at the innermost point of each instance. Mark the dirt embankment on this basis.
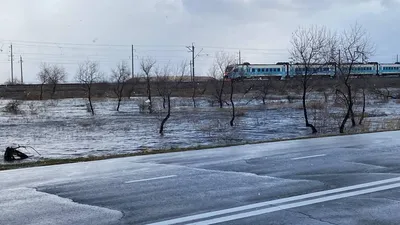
(185, 89)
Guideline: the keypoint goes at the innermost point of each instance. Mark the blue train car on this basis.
(358, 69)
(389, 69)
(256, 71)
(327, 70)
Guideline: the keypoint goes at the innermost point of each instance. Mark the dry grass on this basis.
(316, 105)
(240, 112)
(390, 124)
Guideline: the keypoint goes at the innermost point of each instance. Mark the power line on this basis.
(60, 44)
(87, 44)
(240, 48)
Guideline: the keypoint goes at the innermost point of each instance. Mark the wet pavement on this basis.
(337, 180)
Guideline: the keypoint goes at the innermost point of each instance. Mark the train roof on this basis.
(390, 64)
(320, 64)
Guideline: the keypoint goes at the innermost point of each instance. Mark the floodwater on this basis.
(64, 128)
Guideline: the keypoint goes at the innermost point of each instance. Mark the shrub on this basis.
(13, 107)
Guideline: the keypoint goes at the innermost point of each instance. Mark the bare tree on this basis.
(168, 85)
(147, 65)
(120, 76)
(57, 76)
(52, 75)
(89, 73)
(218, 69)
(263, 89)
(162, 79)
(43, 76)
(363, 89)
(355, 48)
(14, 82)
(311, 48)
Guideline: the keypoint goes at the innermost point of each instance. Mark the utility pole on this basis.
(22, 73)
(397, 58)
(12, 65)
(191, 71)
(191, 49)
(133, 63)
(193, 62)
(240, 58)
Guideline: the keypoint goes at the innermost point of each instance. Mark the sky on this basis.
(69, 32)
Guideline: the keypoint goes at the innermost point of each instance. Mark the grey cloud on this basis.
(263, 24)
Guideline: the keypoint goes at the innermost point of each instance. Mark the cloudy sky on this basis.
(67, 32)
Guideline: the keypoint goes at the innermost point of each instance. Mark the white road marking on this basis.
(274, 202)
(309, 157)
(296, 204)
(148, 179)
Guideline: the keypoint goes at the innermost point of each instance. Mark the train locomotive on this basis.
(284, 70)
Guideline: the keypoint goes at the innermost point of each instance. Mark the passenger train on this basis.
(284, 70)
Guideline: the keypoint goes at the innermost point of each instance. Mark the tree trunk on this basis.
(90, 101)
(149, 95)
(164, 101)
(314, 130)
(168, 114)
(221, 103)
(119, 93)
(341, 129)
(363, 109)
(194, 94)
(53, 90)
(353, 121)
(119, 102)
(233, 104)
(41, 91)
(263, 100)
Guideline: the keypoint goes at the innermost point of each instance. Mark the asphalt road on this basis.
(336, 180)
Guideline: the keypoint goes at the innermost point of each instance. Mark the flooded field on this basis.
(64, 128)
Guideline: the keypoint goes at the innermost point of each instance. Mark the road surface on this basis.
(335, 180)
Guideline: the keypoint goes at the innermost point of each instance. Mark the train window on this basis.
(279, 69)
(253, 70)
(262, 70)
(258, 70)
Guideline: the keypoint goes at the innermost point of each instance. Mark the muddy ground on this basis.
(64, 128)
